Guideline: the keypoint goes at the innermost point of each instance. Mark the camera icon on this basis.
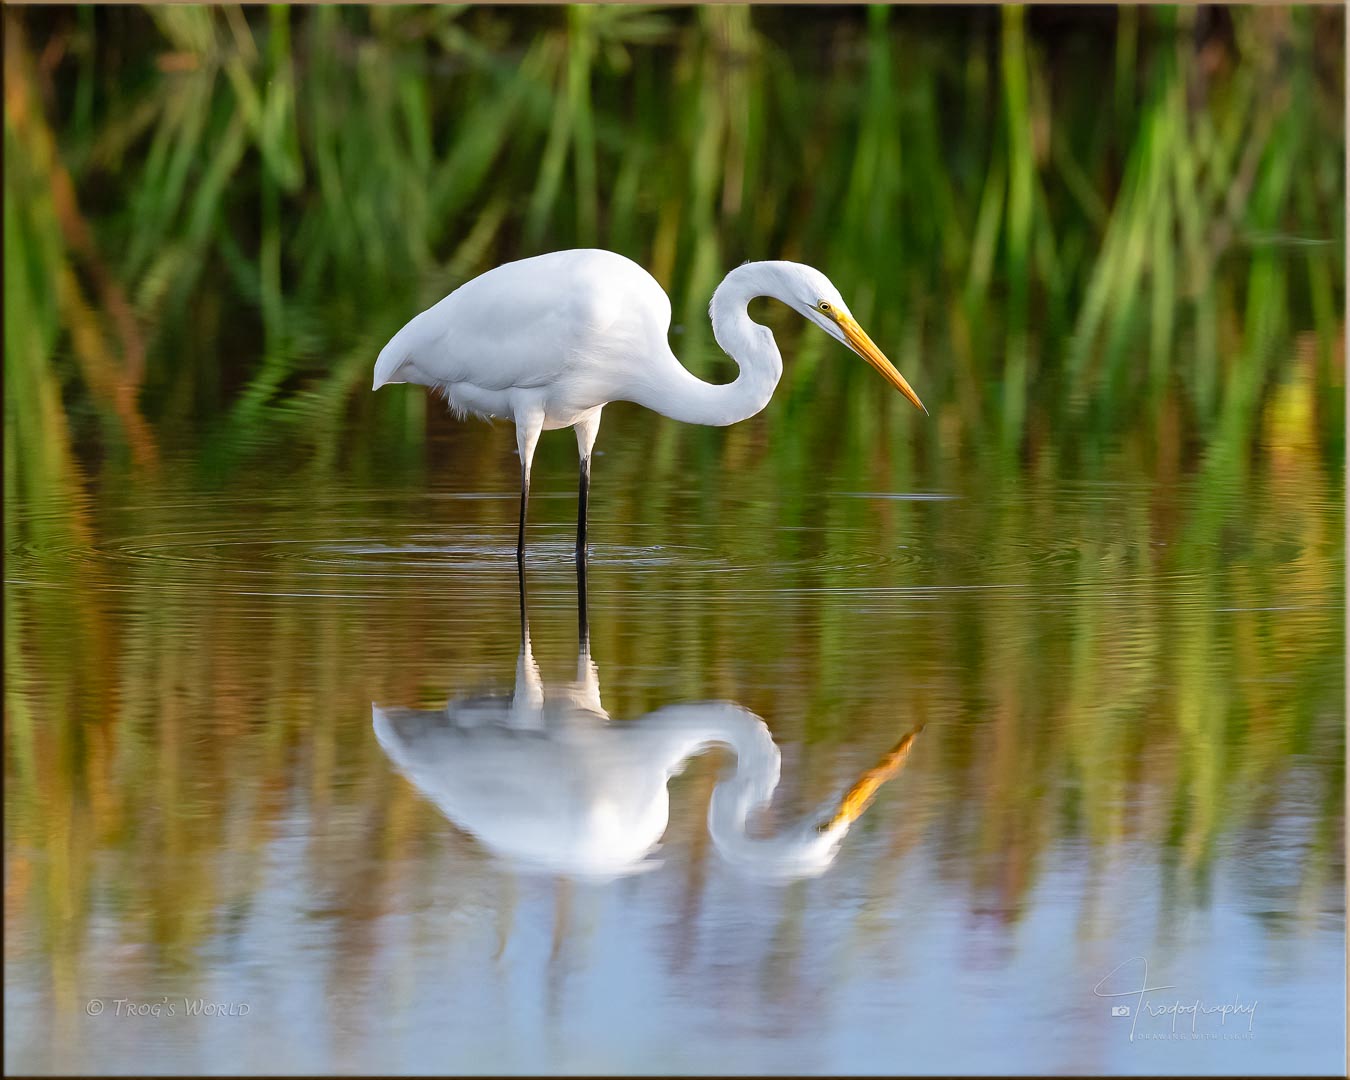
(1120, 1010)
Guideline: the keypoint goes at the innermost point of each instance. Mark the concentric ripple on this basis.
(363, 544)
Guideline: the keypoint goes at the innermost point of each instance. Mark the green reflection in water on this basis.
(1108, 574)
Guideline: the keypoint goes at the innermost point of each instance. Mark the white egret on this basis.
(545, 781)
(547, 342)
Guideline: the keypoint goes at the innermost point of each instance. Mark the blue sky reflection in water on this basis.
(1106, 577)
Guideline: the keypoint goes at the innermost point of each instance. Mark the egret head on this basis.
(813, 294)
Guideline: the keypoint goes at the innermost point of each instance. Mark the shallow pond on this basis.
(710, 843)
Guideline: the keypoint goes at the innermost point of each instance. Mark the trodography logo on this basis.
(1172, 1016)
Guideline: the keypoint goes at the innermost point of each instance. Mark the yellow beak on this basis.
(861, 344)
(857, 798)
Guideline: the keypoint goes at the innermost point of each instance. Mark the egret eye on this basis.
(823, 306)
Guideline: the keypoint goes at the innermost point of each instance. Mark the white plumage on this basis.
(546, 781)
(547, 342)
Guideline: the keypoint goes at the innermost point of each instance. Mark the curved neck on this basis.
(674, 733)
(685, 397)
(799, 850)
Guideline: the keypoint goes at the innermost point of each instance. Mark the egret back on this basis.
(577, 799)
(567, 320)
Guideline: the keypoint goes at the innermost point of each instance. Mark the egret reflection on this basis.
(546, 780)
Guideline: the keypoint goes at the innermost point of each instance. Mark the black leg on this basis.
(524, 499)
(524, 607)
(583, 620)
(583, 491)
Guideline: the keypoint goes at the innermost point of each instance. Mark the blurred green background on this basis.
(1064, 225)
(1105, 245)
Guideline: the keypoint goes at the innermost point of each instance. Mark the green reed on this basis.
(276, 190)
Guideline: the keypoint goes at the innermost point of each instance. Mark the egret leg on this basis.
(583, 619)
(583, 491)
(586, 431)
(527, 702)
(588, 675)
(527, 438)
(524, 503)
(524, 605)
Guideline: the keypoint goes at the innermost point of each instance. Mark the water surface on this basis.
(1127, 692)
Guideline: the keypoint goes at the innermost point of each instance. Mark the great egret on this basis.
(548, 342)
(545, 781)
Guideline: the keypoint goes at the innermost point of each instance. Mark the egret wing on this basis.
(530, 324)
